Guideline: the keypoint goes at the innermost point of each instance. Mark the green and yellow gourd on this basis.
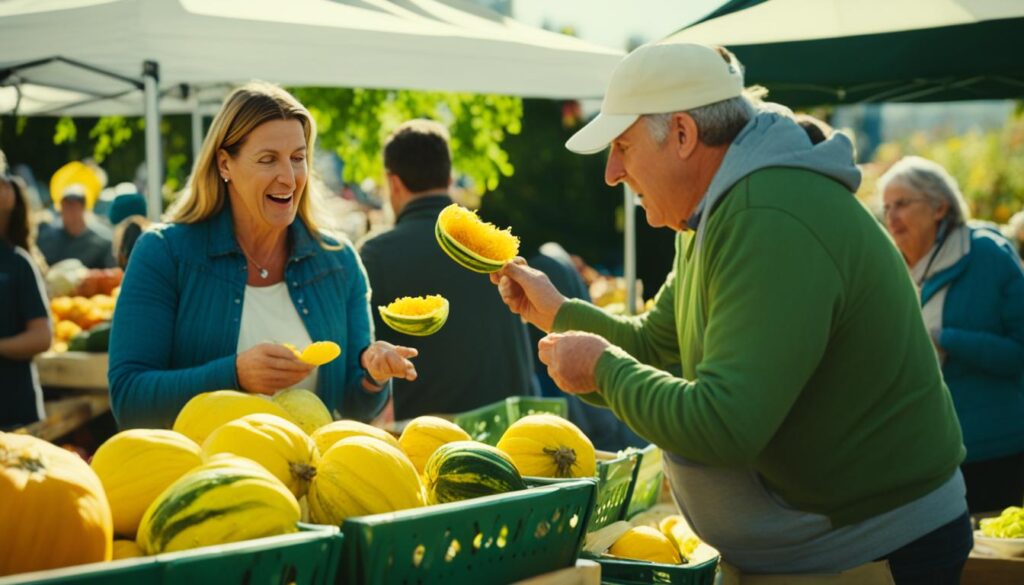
(136, 466)
(469, 469)
(472, 243)
(417, 316)
(227, 499)
(205, 412)
(279, 446)
(305, 408)
(326, 436)
(545, 445)
(424, 434)
(361, 475)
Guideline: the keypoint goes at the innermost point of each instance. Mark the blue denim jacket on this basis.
(175, 330)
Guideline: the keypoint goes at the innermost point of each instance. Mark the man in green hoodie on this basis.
(810, 431)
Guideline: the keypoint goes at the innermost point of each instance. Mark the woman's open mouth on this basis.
(284, 199)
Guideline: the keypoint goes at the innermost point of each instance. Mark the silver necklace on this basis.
(264, 273)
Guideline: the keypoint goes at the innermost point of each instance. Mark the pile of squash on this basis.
(238, 466)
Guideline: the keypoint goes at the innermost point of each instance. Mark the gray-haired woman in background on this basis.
(972, 297)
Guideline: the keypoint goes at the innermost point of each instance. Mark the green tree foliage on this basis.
(556, 195)
(351, 122)
(354, 123)
(989, 166)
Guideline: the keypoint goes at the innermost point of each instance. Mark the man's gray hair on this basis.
(932, 181)
(717, 123)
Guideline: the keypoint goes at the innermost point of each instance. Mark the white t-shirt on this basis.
(268, 315)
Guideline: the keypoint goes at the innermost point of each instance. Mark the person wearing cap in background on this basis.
(127, 215)
(74, 238)
(810, 432)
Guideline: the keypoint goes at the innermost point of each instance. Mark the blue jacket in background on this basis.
(175, 330)
(983, 337)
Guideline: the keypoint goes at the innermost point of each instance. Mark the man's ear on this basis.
(683, 135)
(395, 184)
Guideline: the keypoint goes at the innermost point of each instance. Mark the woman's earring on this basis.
(225, 179)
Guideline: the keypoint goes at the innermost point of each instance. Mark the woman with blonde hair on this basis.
(241, 268)
(972, 297)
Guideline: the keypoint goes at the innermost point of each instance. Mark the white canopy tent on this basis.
(86, 55)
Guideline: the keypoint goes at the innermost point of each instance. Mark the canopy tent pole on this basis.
(629, 259)
(197, 128)
(154, 158)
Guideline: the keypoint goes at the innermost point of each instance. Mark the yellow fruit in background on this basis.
(65, 330)
(326, 436)
(127, 549)
(53, 510)
(227, 499)
(359, 476)
(281, 447)
(545, 445)
(424, 434)
(644, 543)
(317, 353)
(305, 408)
(209, 410)
(1009, 524)
(676, 529)
(136, 465)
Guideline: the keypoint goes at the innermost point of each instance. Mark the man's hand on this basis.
(571, 359)
(528, 293)
(268, 367)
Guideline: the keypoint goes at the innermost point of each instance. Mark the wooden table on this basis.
(75, 388)
(74, 370)
(67, 414)
(985, 570)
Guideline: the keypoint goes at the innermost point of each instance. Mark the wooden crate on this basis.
(77, 370)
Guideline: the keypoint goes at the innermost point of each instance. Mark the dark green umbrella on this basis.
(814, 52)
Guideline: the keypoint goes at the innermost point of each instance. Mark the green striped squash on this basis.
(227, 499)
(463, 255)
(469, 469)
(417, 325)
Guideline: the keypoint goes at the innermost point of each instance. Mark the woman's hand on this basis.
(383, 361)
(528, 293)
(268, 367)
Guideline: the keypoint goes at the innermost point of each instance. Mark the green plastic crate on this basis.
(308, 557)
(494, 539)
(488, 423)
(615, 476)
(624, 572)
(647, 486)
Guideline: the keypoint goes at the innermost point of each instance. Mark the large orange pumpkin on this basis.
(53, 510)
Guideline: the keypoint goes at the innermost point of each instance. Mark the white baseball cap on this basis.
(658, 79)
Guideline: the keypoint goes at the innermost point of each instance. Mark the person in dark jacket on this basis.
(25, 328)
(482, 353)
